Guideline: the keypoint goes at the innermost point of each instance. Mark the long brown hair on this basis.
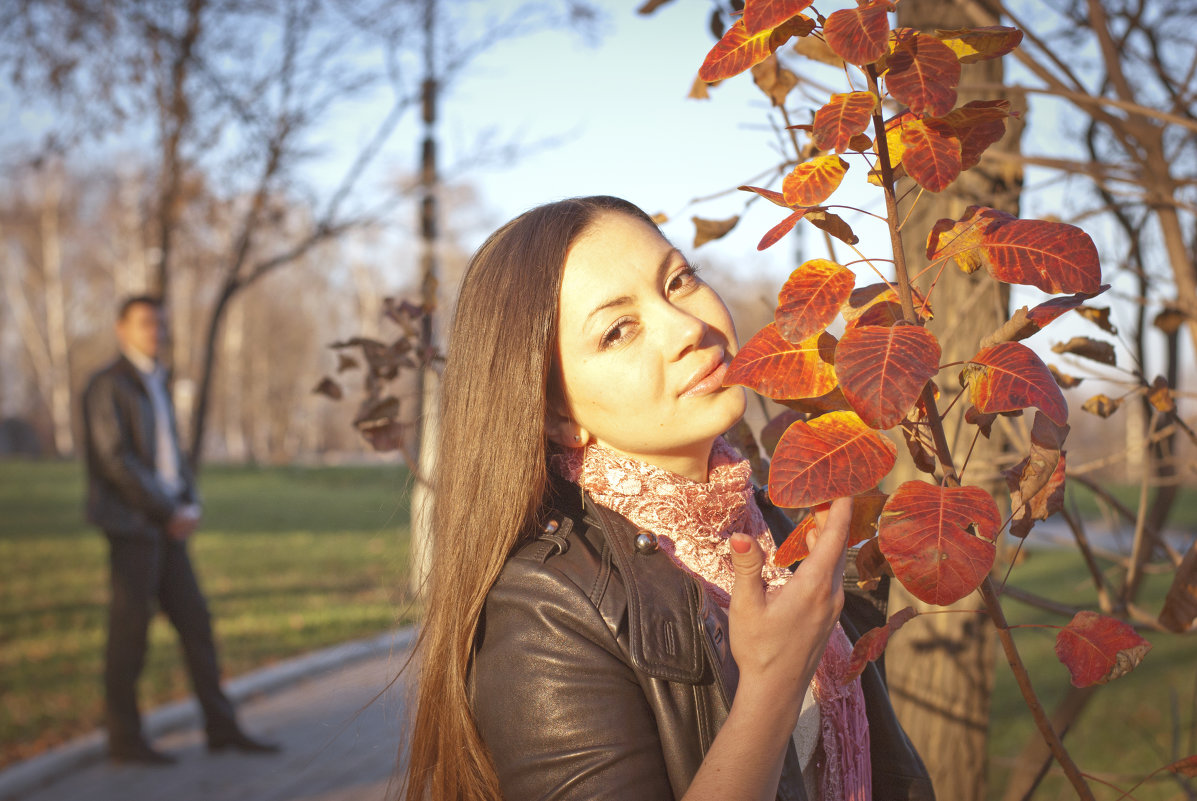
(490, 477)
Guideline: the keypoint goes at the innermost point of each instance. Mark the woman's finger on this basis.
(748, 591)
(829, 545)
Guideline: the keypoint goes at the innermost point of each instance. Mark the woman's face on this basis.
(643, 346)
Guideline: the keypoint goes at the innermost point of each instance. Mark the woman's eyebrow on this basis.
(622, 300)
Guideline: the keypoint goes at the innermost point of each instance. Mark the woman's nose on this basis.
(686, 331)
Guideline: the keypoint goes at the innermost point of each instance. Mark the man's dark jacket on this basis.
(124, 495)
(604, 671)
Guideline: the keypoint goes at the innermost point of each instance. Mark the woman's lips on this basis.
(708, 381)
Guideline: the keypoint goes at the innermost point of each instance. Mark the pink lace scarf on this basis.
(694, 523)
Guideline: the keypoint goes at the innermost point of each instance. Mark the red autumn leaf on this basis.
(925, 535)
(827, 458)
(922, 73)
(774, 234)
(1055, 257)
(866, 508)
(738, 50)
(883, 313)
(811, 298)
(767, 194)
(980, 44)
(1185, 767)
(841, 119)
(864, 298)
(883, 370)
(871, 565)
(859, 35)
(813, 181)
(872, 643)
(1049, 310)
(931, 153)
(1097, 649)
(833, 401)
(1009, 376)
(978, 124)
(776, 368)
(763, 15)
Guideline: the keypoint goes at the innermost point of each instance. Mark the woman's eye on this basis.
(683, 279)
(622, 330)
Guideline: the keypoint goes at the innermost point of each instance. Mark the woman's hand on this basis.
(778, 637)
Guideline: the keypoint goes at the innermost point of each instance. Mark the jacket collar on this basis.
(665, 635)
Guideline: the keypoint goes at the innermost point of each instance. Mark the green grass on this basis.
(1126, 730)
(291, 560)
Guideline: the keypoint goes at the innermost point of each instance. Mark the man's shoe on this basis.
(140, 754)
(240, 741)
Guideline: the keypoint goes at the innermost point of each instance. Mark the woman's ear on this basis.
(562, 430)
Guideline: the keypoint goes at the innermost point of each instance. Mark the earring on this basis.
(577, 438)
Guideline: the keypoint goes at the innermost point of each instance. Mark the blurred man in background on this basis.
(141, 493)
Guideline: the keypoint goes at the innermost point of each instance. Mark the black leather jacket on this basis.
(124, 495)
(603, 671)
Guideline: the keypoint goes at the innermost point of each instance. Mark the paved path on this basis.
(339, 743)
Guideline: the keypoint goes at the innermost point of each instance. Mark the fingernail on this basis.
(740, 543)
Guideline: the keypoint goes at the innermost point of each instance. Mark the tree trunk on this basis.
(56, 333)
(940, 668)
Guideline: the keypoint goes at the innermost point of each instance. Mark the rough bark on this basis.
(941, 668)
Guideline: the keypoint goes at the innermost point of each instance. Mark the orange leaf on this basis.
(866, 508)
(1102, 405)
(813, 181)
(1009, 376)
(738, 50)
(776, 368)
(926, 538)
(841, 119)
(872, 643)
(811, 298)
(931, 153)
(768, 194)
(865, 297)
(859, 35)
(1055, 257)
(774, 234)
(1097, 649)
(923, 73)
(883, 370)
(826, 458)
(980, 44)
(763, 15)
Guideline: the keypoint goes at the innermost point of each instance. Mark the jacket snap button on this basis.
(646, 542)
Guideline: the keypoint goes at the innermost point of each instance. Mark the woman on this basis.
(591, 529)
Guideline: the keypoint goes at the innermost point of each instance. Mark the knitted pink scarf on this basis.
(694, 523)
